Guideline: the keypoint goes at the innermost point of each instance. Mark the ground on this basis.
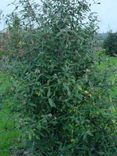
(8, 132)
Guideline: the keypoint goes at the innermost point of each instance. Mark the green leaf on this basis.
(51, 102)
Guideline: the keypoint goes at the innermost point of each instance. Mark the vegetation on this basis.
(8, 132)
(110, 44)
(64, 102)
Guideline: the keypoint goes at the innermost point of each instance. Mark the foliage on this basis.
(14, 33)
(110, 44)
(64, 101)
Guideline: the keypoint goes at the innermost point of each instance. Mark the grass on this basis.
(8, 133)
(111, 64)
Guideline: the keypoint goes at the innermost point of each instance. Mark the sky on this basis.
(107, 13)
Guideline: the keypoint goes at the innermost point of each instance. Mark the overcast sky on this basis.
(107, 13)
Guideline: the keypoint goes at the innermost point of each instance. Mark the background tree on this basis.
(110, 44)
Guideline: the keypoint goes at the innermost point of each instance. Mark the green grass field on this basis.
(8, 134)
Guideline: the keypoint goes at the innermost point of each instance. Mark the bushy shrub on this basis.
(64, 103)
(110, 44)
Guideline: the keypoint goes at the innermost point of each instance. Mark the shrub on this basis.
(110, 44)
(64, 103)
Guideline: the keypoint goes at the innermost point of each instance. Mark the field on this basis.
(8, 133)
(111, 63)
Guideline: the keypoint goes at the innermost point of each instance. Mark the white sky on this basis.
(107, 13)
